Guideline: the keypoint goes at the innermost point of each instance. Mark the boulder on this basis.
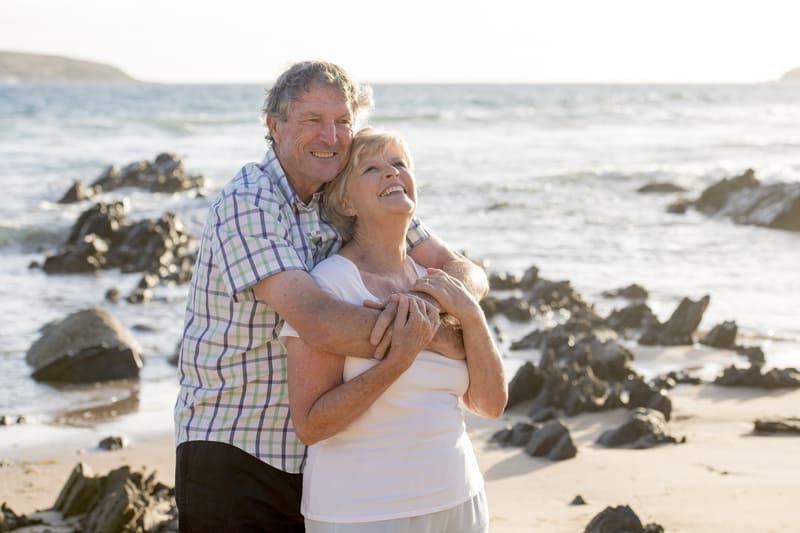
(680, 327)
(781, 425)
(552, 440)
(86, 346)
(660, 187)
(714, 198)
(721, 336)
(122, 500)
(644, 428)
(631, 292)
(620, 519)
(776, 378)
(525, 385)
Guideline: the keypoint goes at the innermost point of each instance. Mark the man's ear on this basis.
(272, 126)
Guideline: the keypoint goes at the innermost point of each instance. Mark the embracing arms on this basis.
(321, 404)
(337, 327)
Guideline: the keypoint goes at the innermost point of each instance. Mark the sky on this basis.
(252, 41)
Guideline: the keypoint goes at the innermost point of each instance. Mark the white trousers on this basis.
(471, 516)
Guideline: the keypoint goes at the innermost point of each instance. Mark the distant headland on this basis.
(20, 67)
(792, 75)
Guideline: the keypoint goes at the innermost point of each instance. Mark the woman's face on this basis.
(382, 184)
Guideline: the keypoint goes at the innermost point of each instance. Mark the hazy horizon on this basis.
(574, 41)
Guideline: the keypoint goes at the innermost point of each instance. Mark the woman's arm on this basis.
(487, 393)
(321, 404)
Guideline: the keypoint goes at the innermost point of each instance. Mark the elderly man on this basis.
(239, 461)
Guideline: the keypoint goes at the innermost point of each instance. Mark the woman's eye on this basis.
(400, 164)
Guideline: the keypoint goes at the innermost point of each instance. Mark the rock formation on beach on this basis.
(20, 67)
(745, 200)
(164, 174)
(86, 346)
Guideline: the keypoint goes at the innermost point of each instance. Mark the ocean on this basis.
(512, 175)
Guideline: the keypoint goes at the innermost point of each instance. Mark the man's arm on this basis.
(435, 253)
(322, 321)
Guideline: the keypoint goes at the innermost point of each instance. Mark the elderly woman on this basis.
(388, 450)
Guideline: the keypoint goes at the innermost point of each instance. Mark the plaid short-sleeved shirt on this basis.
(233, 381)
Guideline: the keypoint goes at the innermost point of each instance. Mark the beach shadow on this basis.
(719, 393)
(99, 402)
(518, 464)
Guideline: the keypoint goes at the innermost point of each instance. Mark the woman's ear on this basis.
(347, 209)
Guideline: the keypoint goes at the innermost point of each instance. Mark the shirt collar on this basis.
(272, 167)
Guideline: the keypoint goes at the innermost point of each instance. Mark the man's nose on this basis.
(328, 132)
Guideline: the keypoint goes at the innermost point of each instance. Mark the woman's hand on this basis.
(450, 293)
(414, 326)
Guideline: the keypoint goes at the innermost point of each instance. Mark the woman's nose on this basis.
(391, 171)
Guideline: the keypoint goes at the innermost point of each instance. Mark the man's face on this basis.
(313, 143)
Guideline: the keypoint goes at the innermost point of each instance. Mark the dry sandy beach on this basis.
(723, 479)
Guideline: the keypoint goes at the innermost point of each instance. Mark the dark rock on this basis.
(112, 443)
(101, 238)
(679, 328)
(112, 295)
(754, 354)
(164, 174)
(632, 292)
(610, 360)
(501, 437)
(721, 336)
(525, 385)
(547, 441)
(123, 500)
(521, 433)
(548, 295)
(635, 316)
(786, 425)
(774, 206)
(76, 193)
(543, 414)
(620, 519)
(10, 521)
(564, 449)
(679, 206)
(503, 281)
(746, 201)
(644, 428)
(88, 345)
(515, 308)
(578, 500)
(529, 279)
(660, 187)
(716, 196)
(752, 376)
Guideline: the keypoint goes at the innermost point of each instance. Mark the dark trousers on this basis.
(220, 488)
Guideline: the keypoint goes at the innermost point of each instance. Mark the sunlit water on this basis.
(514, 175)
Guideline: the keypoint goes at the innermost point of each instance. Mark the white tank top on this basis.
(409, 453)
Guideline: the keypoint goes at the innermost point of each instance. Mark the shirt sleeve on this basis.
(339, 279)
(417, 233)
(251, 238)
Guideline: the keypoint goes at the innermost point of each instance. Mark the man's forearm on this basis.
(471, 275)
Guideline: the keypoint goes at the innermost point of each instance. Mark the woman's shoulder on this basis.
(340, 278)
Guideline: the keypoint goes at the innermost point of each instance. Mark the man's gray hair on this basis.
(298, 78)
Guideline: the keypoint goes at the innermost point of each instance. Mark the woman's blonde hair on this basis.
(366, 142)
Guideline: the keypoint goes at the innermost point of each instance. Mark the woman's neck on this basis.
(379, 246)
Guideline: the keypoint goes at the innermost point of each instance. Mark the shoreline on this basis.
(724, 478)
